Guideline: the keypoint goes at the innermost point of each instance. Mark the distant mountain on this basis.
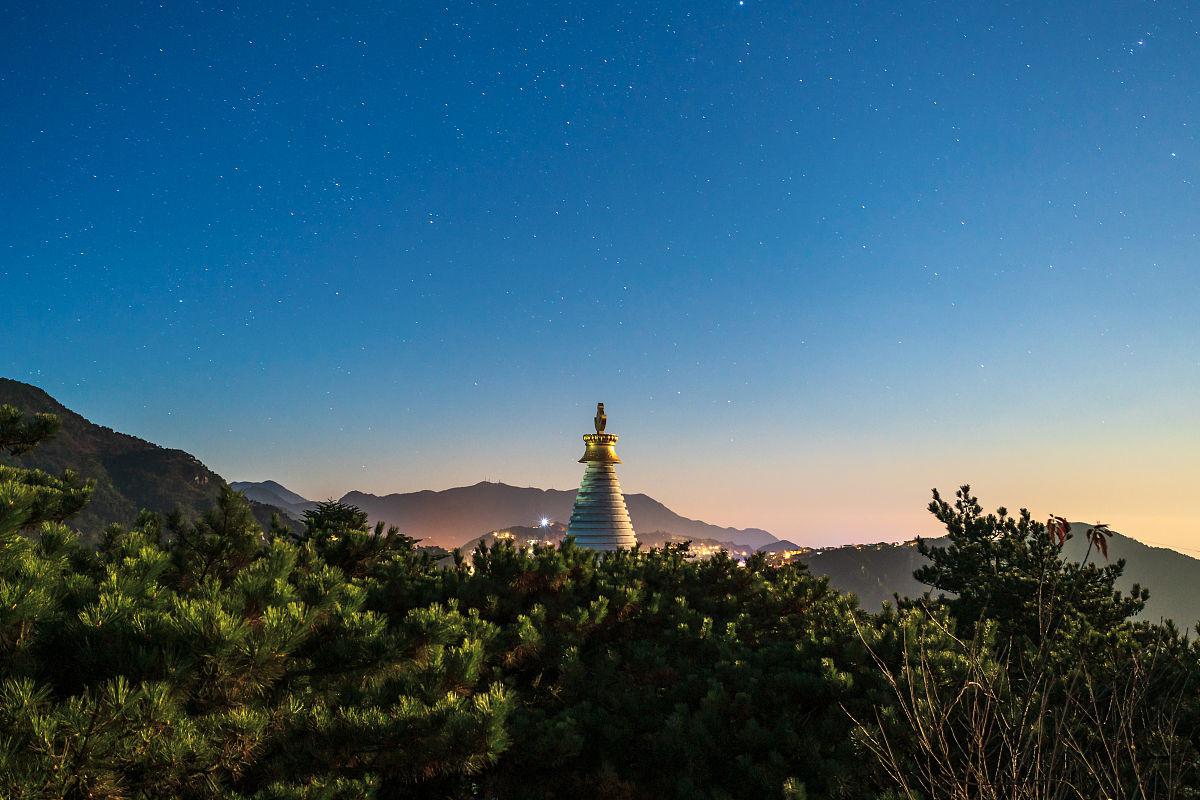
(778, 547)
(1171, 576)
(553, 533)
(452, 517)
(274, 494)
(700, 546)
(520, 535)
(130, 473)
(875, 572)
(273, 489)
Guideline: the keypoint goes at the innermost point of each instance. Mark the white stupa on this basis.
(600, 520)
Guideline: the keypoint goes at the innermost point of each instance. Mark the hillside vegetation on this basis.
(211, 658)
(875, 573)
(131, 474)
(128, 474)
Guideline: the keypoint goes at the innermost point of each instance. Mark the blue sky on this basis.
(816, 258)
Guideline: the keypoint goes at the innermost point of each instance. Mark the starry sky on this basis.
(816, 258)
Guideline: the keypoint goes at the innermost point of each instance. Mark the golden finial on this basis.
(600, 444)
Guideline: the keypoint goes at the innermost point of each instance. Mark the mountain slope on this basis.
(875, 572)
(554, 532)
(1171, 576)
(451, 517)
(130, 473)
(779, 546)
(272, 488)
(275, 494)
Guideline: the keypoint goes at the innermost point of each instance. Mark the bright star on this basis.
(545, 522)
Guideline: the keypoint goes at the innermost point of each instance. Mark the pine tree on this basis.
(206, 659)
(1011, 570)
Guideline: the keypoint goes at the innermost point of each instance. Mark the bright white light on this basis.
(545, 522)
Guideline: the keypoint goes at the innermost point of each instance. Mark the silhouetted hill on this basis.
(553, 533)
(777, 547)
(452, 517)
(130, 473)
(1171, 576)
(274, 494)
(276, 489)
(520, 535)
(875, 572)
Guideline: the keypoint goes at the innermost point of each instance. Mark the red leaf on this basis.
(1058, 527)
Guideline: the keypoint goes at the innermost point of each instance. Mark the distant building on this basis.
(600, 520)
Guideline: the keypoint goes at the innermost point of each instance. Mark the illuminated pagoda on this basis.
(600, 520)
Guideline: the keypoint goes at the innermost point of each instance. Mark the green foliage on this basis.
(209, 658)
(342, 536)
(1033, 678)
(651, 674)
(29, 497)
(1011, 570)
(20, 433)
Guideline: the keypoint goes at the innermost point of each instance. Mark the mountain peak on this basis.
(273, 493)
(273, 488)
(450, 517)
(130, 474)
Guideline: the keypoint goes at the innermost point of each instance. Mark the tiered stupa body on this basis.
(600, 520)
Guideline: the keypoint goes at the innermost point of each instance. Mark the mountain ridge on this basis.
(275, 494)
(451, 517)
(277, 489)
(875, 572)
(130, 473)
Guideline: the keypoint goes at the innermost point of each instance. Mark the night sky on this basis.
(815, 258)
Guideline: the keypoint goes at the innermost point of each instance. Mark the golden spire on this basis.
(600, 447)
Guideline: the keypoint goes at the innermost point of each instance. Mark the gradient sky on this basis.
(815, 258)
